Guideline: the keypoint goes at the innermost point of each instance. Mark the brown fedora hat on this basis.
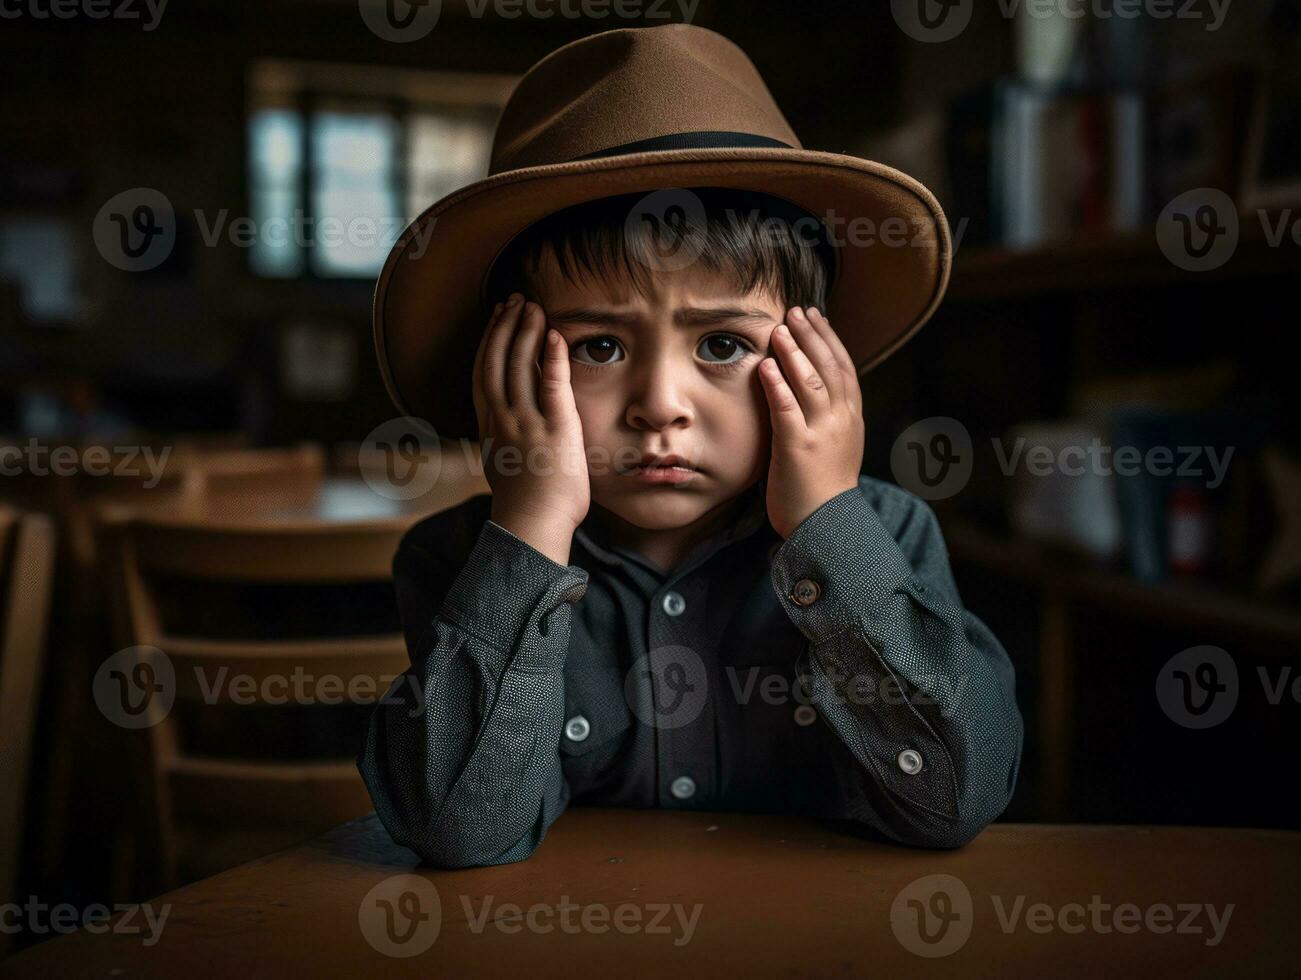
(646, 109)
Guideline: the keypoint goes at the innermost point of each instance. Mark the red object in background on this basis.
(1189, 531)
(1094, 217)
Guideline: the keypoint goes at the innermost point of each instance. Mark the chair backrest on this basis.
(26, 576)
(256, 478)
(170, 570)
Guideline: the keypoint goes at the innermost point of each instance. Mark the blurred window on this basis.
(341, 159)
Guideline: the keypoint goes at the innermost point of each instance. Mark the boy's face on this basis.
(673, 372)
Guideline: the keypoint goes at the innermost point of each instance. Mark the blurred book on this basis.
(1060, 493)
(1032, 163)
(1037, 140)
(1198, 134)
(1178, 488)
(975, 186)
(1065, 163)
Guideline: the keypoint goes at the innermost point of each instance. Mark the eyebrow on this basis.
(691, 316)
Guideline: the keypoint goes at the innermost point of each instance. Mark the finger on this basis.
(801, 376)
(848, 369)
(480, 405)
(823, 326)
(783, 406)
(497, 346)
(556, 394)
(522, 381)
(816, 350)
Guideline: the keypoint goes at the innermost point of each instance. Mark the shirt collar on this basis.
(749, 514)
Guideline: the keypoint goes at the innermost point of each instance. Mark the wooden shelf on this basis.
(982, 273)
(1187, 606)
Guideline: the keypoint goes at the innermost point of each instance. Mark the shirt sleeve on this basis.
(919, 689)
(462, 753)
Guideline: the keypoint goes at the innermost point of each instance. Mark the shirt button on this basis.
(806, 714)
(684, 787)
(910, 761)
(674, 604)
(806, 592)
(577, 728)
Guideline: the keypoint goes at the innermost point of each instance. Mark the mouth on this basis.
(670, 468)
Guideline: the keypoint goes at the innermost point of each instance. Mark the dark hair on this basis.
(757, 240)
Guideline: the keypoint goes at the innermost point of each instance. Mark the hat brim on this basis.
(892, 243)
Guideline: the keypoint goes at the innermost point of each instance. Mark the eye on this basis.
(599, 350)
(724, 348)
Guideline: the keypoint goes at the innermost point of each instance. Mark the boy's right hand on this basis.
(540, 492)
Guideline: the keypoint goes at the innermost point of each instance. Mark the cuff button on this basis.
(910, 761)
(577, 728)
(806, 592)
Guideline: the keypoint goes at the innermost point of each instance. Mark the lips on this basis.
(649, 460)
(665, 468)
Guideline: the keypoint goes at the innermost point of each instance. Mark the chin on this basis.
(658, 508)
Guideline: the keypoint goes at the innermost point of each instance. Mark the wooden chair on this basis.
(457, 473)
(217, 809)
(26, 575)
(255, 478)
(178, 474)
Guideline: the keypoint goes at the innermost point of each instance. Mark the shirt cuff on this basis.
(507, 595)
(837, 566)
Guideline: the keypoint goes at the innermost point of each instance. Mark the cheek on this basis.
(598, 409)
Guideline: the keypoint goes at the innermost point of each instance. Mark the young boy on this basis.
(681, 592)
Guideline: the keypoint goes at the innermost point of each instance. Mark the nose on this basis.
(658, 398)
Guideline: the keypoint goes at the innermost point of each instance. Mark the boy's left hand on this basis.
(817, 418)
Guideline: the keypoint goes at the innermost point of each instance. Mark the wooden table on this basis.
(676, 894)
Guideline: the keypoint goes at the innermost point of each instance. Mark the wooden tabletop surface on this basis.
(633, 893)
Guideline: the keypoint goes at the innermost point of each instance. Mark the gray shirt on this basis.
(835, 674)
